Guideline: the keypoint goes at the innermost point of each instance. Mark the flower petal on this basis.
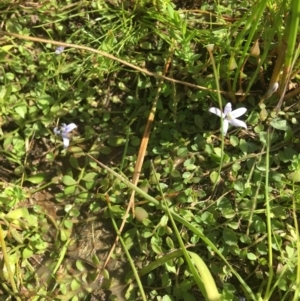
(56, 131)
(66, 142)
(216, 111)
(59, 49)
(225, 126)
(239, 123)
(70, 127)
(238, 112)
(227, 108)
(64, 135)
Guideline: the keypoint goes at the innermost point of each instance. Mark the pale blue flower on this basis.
(63, 132)
(229, 116)
(59, 50)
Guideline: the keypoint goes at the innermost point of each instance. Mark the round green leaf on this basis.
(251, 256)
(229, 237)
(105, 150)
(234, 141)
(280, 124)
(140, 213)
(294, 176)
(214, 177)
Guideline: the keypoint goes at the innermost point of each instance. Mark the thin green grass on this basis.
(269, 223)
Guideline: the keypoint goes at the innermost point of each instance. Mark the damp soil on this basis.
(91, 241)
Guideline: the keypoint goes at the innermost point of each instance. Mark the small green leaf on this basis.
(69, 190)
(76, 151)
(27, 253)
(135, 141)
(229, 237)
(18, 236)
(116, 141)
(259, 224)
(129, 238)
(290, 251)
(37, 179)
(288, 134)
(150, 278)
(238, 186)
(259, 128)
(182, 152)
(9, 76)
(262, 248)
(68, 224)
(63, 288)
(146, 45)
(290, 153)
(251, 256)
(21, 110)
(189, 161)
(89, 185)
(68, 180)
(140, 214)
(18, 214)
(294, 176)
(218, 151)
(169, 242)
(198, 121)
(105, 150)
(7, 48)
(244, 146)
(280, 124)
(263, 114)
(214, 177)
(236, 166)
(191, 167)
(225, 206)
(234, 141)
(164, 221)
(175, 174)
(157, 249)
(90, 177)
(64, 234)
(75, 284)
(232, 63)
(74, 212)
(263, 137)
(167, 298)
(80, 266)
(74, 162)
(186, 175)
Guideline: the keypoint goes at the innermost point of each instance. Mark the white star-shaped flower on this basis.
(230, 117)
(63, 132)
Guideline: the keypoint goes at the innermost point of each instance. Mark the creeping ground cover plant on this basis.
(151, 201)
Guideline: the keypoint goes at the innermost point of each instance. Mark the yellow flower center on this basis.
(229, 117)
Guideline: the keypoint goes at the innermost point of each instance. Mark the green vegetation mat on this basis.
(149, 150)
